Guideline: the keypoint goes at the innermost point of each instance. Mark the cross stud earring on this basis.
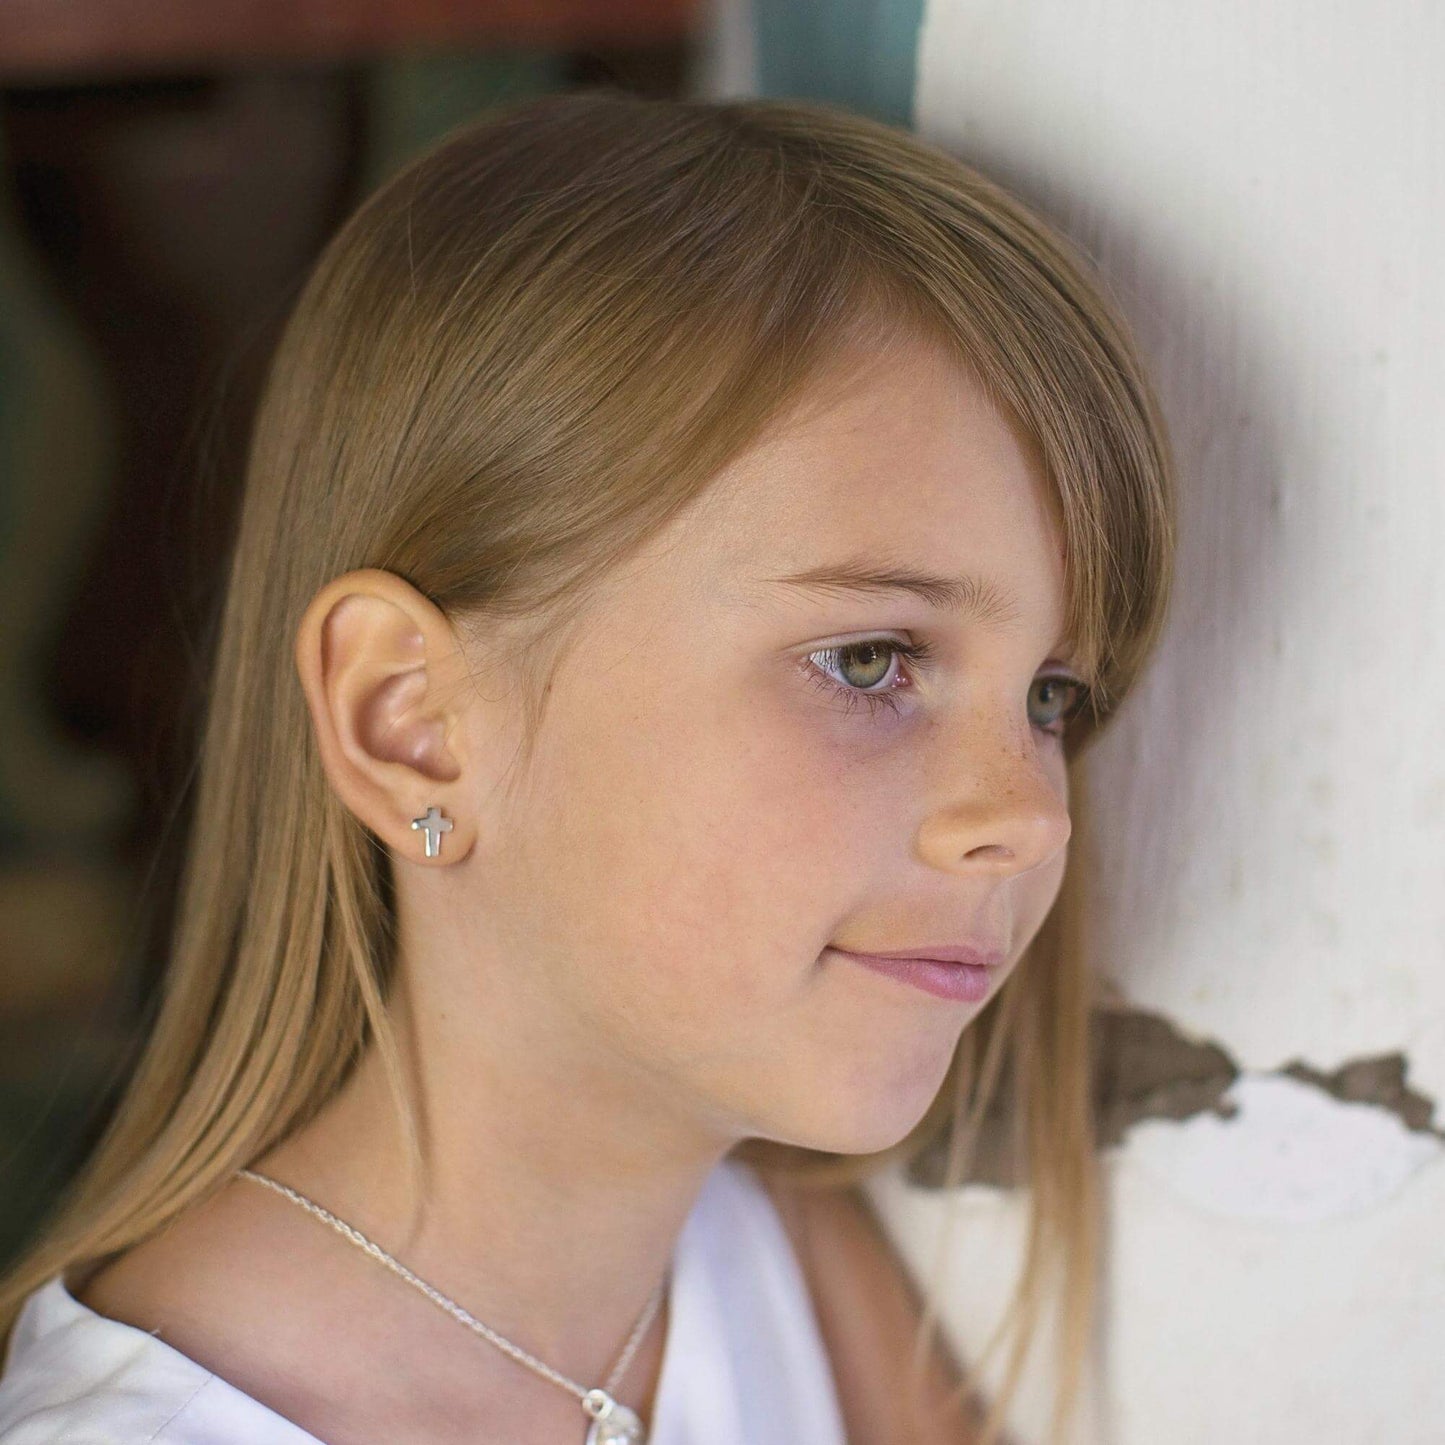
(433, 824)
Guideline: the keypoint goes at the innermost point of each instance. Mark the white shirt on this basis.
(743, 1362)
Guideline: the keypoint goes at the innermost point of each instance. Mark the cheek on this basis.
(1037, 892)
(683, 864)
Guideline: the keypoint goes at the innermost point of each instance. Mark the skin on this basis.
(616, 968)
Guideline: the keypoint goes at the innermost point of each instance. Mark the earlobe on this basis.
(375, 658)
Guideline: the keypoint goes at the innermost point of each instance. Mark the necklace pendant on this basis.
(612, 1423)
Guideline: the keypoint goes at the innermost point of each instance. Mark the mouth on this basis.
(960, 979)
(983, 955)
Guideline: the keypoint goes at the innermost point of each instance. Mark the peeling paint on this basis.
(1294, 1153)
(1293, 1144)
(1148, 1069)
(1379, 1081)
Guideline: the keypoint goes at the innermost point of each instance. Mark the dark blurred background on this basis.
(168, 172)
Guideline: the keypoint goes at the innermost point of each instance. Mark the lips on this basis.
(982, 955)
(959, 978)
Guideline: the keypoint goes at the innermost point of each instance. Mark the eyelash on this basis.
(916, 653)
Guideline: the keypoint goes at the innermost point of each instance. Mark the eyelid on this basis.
(928, 650)
(916, 653)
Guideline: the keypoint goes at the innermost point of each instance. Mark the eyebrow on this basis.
(980, 598)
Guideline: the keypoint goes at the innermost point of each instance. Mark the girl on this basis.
(684, 546)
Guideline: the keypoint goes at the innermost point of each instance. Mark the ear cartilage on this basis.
(433, 824)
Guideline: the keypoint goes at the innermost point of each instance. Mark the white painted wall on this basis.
(1263, 184)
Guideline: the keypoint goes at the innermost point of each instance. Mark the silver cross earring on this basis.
(433, 823)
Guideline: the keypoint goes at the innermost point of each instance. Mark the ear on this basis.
(379, 664)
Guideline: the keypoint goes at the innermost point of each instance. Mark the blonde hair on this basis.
(513, 364)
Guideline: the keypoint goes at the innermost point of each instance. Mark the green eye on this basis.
(1063, 698)
(876, 654)
(863, 674)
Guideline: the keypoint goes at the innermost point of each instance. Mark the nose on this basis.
(1002, 807)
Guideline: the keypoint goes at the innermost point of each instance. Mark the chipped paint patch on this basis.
(1313, 1145)
(1292, 1152)
(1149, 1069)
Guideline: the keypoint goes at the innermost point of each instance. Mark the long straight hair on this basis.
(514, 363)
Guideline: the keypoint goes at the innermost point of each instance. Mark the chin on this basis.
(876, 1120)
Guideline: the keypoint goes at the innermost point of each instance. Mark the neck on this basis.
(552, 1192)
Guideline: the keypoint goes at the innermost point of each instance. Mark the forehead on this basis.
(895, 455)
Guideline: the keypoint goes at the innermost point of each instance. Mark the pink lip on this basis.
(942, 953)
(960, 980)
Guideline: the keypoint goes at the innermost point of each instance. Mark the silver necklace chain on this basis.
(597, 1402)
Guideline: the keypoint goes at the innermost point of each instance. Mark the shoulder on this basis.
(128, 1354)
(74, 1376)
(833, 1230)
(868, 1309)
(185, 1286)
